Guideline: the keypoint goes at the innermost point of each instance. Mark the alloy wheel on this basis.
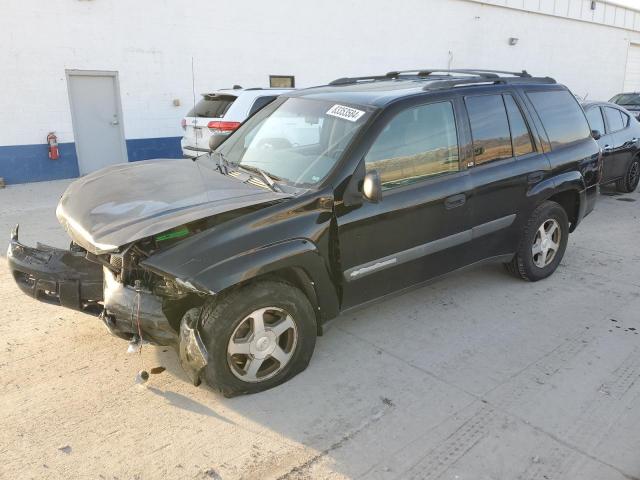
(262, 344)
(546, 243)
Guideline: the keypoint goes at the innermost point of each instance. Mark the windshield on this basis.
(295, 140)
(626, 99)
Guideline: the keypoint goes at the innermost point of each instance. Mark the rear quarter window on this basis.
(212, 106)
(561, 116)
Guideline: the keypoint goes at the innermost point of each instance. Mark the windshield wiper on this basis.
(267, 178)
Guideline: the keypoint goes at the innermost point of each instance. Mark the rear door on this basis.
(419, 228)
(620, 143)
(595, 116)
(507, 162)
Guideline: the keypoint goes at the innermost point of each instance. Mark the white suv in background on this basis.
(219, 113)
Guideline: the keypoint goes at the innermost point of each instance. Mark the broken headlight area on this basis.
(130, 300)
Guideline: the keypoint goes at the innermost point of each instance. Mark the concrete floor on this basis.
(478, 376)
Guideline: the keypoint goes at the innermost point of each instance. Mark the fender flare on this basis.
(571, 181)
(297, 254)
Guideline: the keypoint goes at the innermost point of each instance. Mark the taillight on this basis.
(183, 123)
(222, 127)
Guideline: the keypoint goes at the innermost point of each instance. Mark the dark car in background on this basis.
(629, 100)
(238, 258)
(620, 143)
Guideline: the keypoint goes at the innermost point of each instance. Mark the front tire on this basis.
(542, 244)
(629, 182)
(257, 336)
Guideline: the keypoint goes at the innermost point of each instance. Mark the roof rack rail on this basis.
(349, 80)
(454, 82)
(426, 72)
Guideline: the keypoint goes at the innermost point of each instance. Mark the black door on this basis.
(418, 229)
(606, 141)
(506, 165)
(615, 147)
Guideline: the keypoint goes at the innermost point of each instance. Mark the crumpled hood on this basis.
(120, 204)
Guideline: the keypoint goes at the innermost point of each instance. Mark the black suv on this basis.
(324, 200)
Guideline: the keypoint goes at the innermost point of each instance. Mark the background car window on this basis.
(562, 118)
(519, 130)
(261, 102)
(626, 99)
(594, 116)
(614, 120)
(489, 128)
(625, 119)
(212, 106)
(417, 143)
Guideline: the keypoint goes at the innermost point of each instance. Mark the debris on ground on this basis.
(157, 370)
(211, 473)
(141, 377)
(65, 448)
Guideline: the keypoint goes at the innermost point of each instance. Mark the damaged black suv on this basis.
(324, 200)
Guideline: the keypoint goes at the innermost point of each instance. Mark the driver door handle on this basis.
(607, 149)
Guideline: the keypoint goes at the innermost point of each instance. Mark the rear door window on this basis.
(520, 135)
(614, 119)
(562, 118)
(212, 106)
(489, 128)
(596, 122)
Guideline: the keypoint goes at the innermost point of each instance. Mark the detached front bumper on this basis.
(52, 275)
(68, 279)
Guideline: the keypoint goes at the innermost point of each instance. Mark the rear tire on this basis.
(543, 243)
(257, 336)
(629, 182)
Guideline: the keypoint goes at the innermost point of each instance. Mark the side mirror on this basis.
(215, 140)
(596, 134)
(372, 187)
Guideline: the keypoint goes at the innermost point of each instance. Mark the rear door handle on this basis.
(535, 177)
(455, 201)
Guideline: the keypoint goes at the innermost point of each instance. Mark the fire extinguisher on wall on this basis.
(52, 140)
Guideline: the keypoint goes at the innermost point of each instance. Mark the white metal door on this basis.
(97, 119)
(632, 73)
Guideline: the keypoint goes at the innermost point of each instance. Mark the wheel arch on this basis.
(569, 200)
(568, 190)
(296, 261)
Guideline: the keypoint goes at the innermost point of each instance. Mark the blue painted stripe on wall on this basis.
(31, 163)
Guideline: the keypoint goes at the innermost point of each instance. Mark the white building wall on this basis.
(151, 42)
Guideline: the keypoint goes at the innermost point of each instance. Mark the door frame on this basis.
(116, 80)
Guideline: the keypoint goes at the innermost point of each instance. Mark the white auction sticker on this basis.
(346, 113)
